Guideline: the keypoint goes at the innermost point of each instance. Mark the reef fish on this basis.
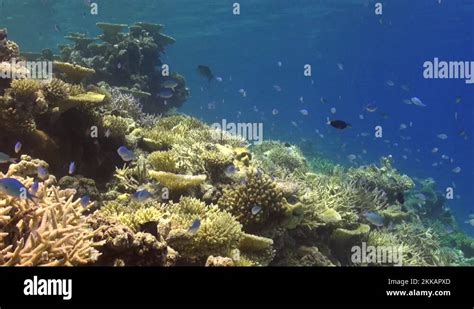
(442, 136)
(13, 187)
(471, 222)
(371, 108)
(169, 84)
(42, 172)
(417, 102)
(17, 147)
(457, 170)
(374, 218)
(256, 209)
(205, 71)
(142, 195)
(34, 187)
(4, 158)
(339, 124)
(165, 93)
(194, 228)
(72, 168)
(126, 154)
(85, 200)
(230, 170)
(304, 112)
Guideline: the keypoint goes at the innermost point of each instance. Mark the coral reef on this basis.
(385, 178)
(52, 232)
(130, 60)
(188, 193)
(257, 192)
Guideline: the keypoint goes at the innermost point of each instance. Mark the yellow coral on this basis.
(218, 234)
(25, 89)
(162, 161)
(117, 125)
(73, 71)
(177, 182)
(85, 100)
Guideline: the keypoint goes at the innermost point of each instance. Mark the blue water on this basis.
(244, 50)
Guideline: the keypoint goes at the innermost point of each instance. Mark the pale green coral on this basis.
(279, 158)
(218, 234)
(164, 161)
(385, 178)
(118, 126)
(257, 190)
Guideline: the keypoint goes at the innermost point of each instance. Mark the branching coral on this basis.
(279, 158)
(256, 203)
(385, 178)
(331, 199)
(218, 234)
(52, 232)
(129, 60)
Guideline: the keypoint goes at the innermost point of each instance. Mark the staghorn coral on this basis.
(258, 190)
(384, 178)
(53, 232)
(332, 199)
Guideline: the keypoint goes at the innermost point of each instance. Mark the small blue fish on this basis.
(193, 229)
(304, 112)
(256, 209)
(230, 170)
(85, 200)
(126, 154)
(4, 158)
(34, 187)
(42, 172)
(17, 147)
(142, 195)
(374, 218)
(165, 93)
(12, 187)
(72, 168)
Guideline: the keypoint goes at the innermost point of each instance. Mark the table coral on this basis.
(177, 182)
